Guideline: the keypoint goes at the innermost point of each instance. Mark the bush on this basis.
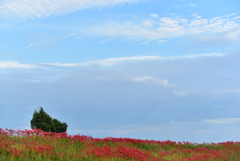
(42, 120)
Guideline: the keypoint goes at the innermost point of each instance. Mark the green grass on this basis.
(31, 146)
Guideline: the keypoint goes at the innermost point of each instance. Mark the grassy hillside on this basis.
(36, 145)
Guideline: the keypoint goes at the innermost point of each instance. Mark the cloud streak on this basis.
(29, 46)
(42, 8)
(115, 61)
(105, 62)
(222, 121)
(15, 64)
(193, 5)
(151, 80)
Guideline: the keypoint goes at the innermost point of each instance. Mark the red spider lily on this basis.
(37, 144)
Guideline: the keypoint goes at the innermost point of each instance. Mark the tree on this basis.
(42, 120)
(59, 127)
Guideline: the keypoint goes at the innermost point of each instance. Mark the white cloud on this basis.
(154, 15)
(222, 121)
(29, 46)
(183, 20)
(167, 27)
(238, 17)
(14, 64)
(151, 80)
(161, 41)
(104, 62)
(107, 40)
(168, 22)
(115, 61)
(62, 64)
(194, 56)
(199, 22)
(232, 36)
(193, 5)
(147, 23)
(42, 8)
(213, 92)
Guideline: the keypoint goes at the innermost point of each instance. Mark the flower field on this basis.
(37, 145)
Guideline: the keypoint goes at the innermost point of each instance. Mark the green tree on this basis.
(59, 126)
(42, 120)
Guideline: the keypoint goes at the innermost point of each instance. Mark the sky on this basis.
(145, 69)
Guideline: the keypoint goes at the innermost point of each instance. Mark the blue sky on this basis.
(145, 69)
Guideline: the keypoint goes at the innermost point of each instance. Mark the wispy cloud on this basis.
(151, 80)
(14, 64)
(167, 27)
(43, 8)
(105, 62)
(147, 23)
(154, 15)
(230, 37)
(193, 5)
(222, 121)
(115, 61)
(196, 15)
(29, 46)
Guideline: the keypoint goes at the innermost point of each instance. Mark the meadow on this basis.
(37, 145)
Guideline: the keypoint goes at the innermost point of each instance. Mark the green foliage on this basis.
(42, 120)
(59, 126)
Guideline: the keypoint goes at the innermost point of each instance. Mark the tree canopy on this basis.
(42, 120)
